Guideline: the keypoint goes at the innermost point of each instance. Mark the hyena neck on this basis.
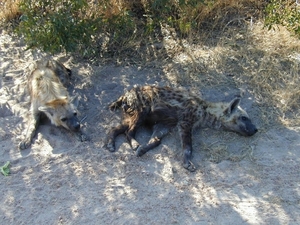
(210, 117)
(211, 121)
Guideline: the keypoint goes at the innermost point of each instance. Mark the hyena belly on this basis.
(140, 106)
(49, 96)
(164, 108)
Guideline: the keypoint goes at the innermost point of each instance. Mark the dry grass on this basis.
(264, 63)
(9, 12)
(277, 77)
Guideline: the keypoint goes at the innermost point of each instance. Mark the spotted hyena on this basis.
(164, 108)
(49, 96)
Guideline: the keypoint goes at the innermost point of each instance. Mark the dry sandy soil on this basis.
(60, 180)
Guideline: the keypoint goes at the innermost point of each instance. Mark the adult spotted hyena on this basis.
(164, 108)
(48, 95)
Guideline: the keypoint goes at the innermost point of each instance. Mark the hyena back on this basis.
(48, 95)
(164, 108)
(63, 73)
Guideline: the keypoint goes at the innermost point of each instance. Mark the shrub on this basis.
(55, 25)
(93, 27)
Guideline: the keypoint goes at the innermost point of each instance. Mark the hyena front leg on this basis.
(185, 131)
(159, 131)
(113, 133)
(31, 130)
(131, 138)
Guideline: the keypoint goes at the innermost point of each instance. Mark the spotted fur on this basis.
(164, 108)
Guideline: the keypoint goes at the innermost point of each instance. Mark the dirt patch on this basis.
(60, 180)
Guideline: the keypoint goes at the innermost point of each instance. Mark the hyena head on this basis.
(63, 112)
(235, 119)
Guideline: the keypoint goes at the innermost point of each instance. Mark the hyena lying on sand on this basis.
(164, 108)
(49, 96)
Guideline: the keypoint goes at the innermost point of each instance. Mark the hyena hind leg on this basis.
(134, 124)
(113, 133)
(30, 131)
(159, 131)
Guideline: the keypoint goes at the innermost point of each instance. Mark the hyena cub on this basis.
(164, 108)
(48, 95)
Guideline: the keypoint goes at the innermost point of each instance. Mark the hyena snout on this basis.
(241, 125)
(73, 124)
(246, 127)
(250, 130)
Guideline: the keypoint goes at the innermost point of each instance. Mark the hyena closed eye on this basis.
(164, 108)
(48, 95)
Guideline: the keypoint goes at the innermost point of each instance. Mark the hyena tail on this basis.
(129, 102)
(132, 101)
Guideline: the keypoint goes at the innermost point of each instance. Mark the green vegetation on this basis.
(55, 25)
(285, 13)
(78, 26)
(4, 169)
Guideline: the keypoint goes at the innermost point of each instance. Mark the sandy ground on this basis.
(60, 180)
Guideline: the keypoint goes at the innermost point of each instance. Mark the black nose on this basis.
(77, 127)
(251, 131)
(254, 130)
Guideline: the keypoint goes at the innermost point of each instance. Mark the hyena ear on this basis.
(46, 109)
(75, 101)
(232, 106)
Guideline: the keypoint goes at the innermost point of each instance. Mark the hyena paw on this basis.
(189, 166)
(24, 144)
(83, 138)
(134, 144)
(140, 151)
(110, 145)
